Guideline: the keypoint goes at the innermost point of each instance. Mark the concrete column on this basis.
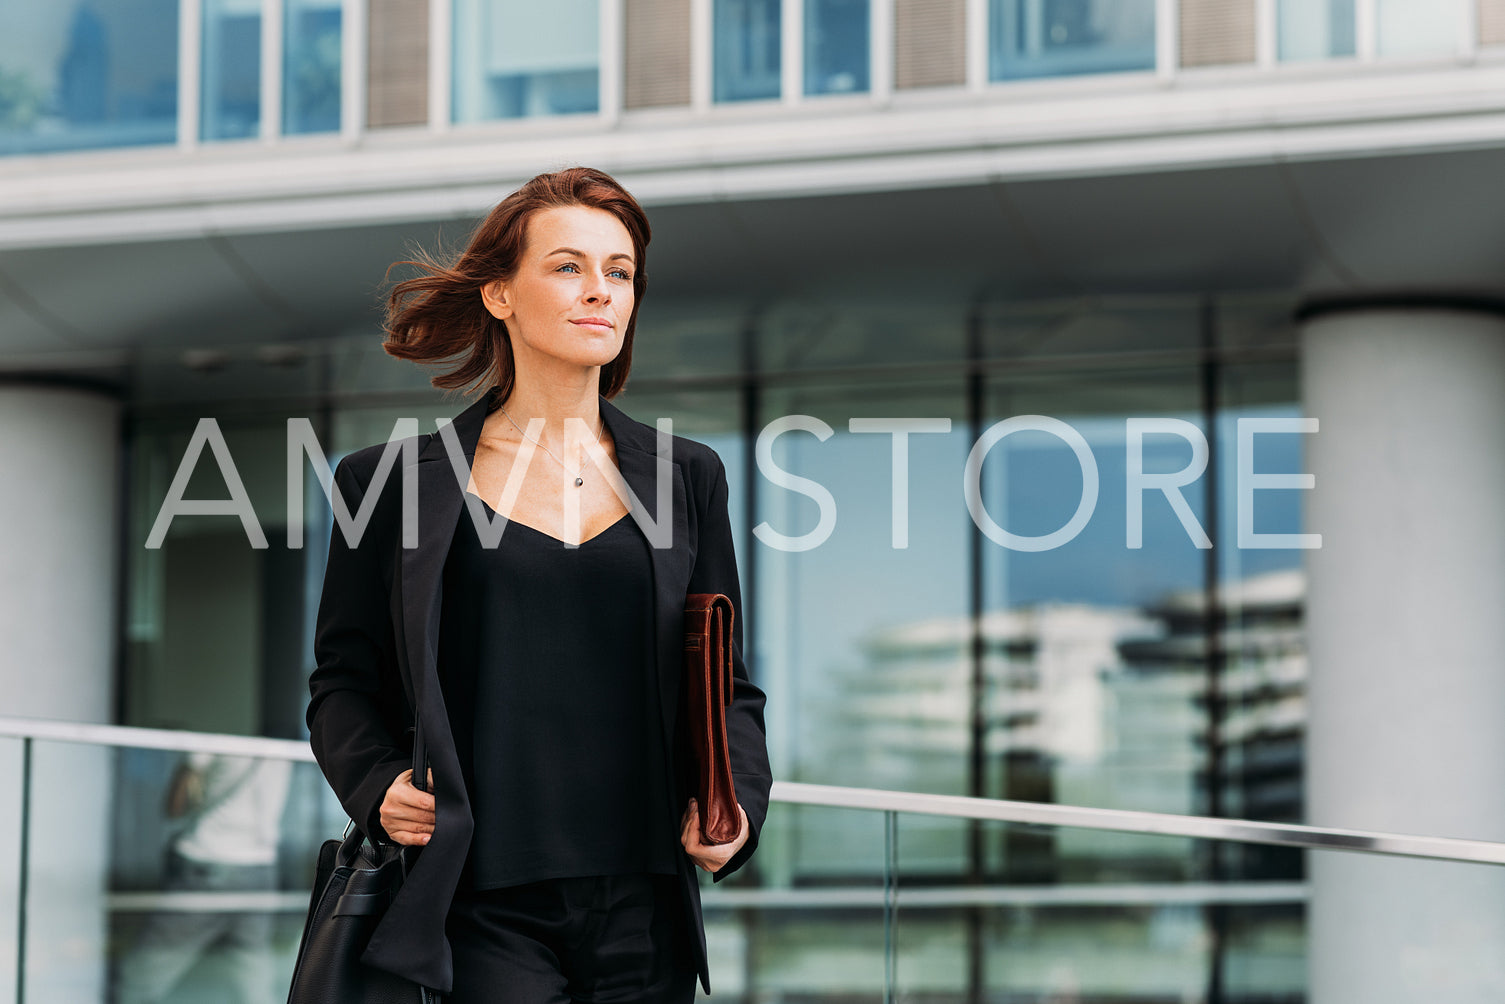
(59, 513)
(1406, 627)
(59, 510)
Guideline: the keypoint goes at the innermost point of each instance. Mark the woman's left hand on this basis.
(711, 857)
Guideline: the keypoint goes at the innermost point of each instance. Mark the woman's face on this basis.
(572, 294)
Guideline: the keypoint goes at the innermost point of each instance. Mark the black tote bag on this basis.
(354, 883)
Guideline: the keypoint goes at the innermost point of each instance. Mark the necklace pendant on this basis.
(579, 482)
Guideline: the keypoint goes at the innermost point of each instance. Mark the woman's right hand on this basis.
(407, 814)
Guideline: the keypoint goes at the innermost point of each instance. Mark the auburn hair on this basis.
(438, 315)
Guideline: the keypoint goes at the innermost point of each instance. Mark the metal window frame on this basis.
(1266, 37)
(1365, 29)
(273, 38)
(271, 87)
(190, 70)
(791, 52)
(880, 56)
(441, 56)
(976, 45)
(702, 41)
(791, 55)
(353, 53)
(1167, 39)
(1468, 30)
(611, 62)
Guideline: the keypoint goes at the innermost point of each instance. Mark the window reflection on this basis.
(231, 99)
(1419, 27)
(746, 59)
(1043, 38)
(836, 46)
(210, 862)
(849, 703)
(900, 326)
(1162, 677)
(1262, 664)
(1315, 29)
(95, 73)
(1071, 713)
(311, 66)
(218, 637)
(515, 58)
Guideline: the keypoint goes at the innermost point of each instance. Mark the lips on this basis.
(591, 321)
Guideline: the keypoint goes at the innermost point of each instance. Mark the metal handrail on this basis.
(845, 897)
(175, 740)
(878, 800)
(1158, 823)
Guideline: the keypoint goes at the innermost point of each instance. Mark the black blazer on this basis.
(376, 640)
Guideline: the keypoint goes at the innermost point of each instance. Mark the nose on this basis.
(597, 292)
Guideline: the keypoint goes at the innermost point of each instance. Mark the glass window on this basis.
(1080, 327)
(676, 338)
(836, 46)
(311, 66)
(1263, 666)
(217, 636)
(1315, 30)
(1419, 27)
(747, 49)
(859, 640)
(516, 58)
(888, 327)
(231, 102)
(1045, 38)
(79, 75)
(1094, 668)
(712, 417)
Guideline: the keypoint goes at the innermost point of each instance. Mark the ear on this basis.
(494, 296)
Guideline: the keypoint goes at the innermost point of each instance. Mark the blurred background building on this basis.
(1223, 212)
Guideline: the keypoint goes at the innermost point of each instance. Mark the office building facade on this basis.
(1230, 268)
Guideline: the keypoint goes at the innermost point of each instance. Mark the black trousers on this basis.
(598, 939)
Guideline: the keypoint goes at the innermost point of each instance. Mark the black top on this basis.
(550, 648)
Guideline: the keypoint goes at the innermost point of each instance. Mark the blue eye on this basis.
(621, 273)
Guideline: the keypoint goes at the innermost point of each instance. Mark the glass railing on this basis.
(928, 898)
(144, 865)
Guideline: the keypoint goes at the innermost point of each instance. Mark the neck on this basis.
(556, 400)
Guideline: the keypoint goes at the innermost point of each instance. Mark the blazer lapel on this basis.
(423, 901)
(642, 467)
(441, 488)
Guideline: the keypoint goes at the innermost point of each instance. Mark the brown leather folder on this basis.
(708, 691)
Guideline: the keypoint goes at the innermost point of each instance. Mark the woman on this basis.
(558, 839)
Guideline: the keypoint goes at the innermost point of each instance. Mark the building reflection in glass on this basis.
(95, 73)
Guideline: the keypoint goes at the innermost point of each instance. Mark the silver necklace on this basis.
(578, 479)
